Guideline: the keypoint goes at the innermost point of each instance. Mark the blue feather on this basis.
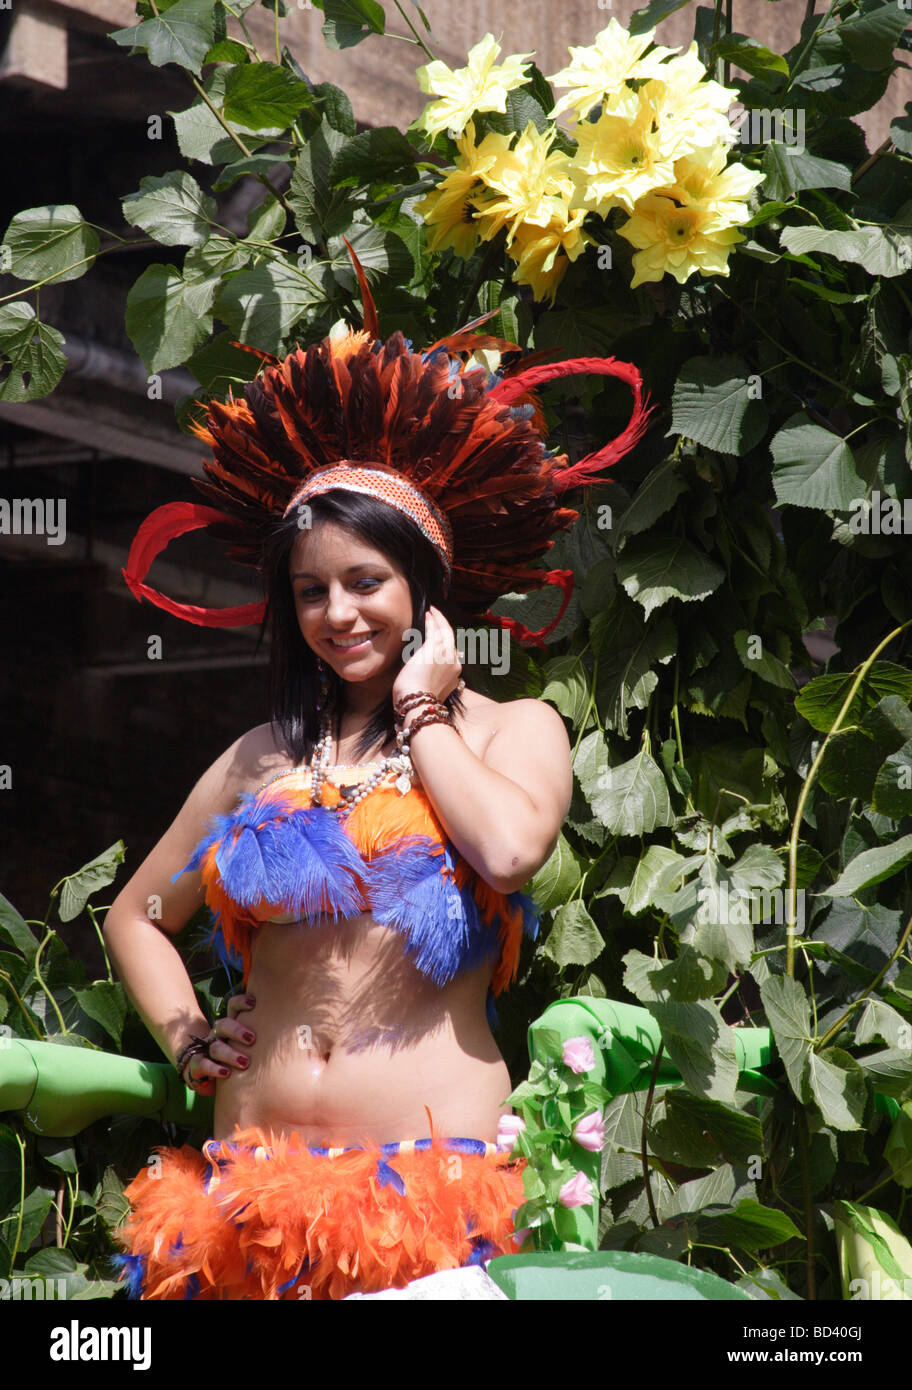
(443, 931)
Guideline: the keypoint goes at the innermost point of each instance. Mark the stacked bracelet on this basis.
(196, 1047)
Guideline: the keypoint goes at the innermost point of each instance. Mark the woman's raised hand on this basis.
(436, 666)
(226, 1051)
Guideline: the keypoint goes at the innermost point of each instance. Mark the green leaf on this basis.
(652, 14)
(172, 209)
(379, 250)
(15, 931)
(658, 871)
(821, 699)
(380, 153)
(654, 569)
(558, 876)
(789, 1015)
(226, 51)
(767, 666)
(106, 1003)
(870, 867)
(701, 1046)
(750, 1226)
(319, 210)
(712, 405)
(898, 1148)
(349, 21)
(336, 107)
(167, 316)
(183, 35)
(838, 1086)
(631, 799)
(882, 250)
(766, 1285)
(653, 498)
(11, 1161)
(31, 360)
(59, 1153)
(736, 1135)
(262, 163)
(871, 35)
(813, 467)
(893, 784)
(878, 1020)
(262, 96)
(749, 54)
(202, 136)
(789, 168)
(574, 938)
(627, 652)
(262, 305)
(53, 243)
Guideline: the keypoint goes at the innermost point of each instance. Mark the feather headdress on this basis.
(457, 447)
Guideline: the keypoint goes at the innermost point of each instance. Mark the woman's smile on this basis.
(357, 644)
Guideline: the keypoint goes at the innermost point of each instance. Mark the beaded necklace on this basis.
(399, 763)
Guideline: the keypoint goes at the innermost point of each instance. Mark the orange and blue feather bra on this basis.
(277, 857)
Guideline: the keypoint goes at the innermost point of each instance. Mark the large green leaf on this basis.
(349, 21)
(813, 467)
(871, 35)
(558, 876)
(183, 34)
(574, 938)
(106, 1003)
(764, 664)
(79, 887)
(893, 785)
(631, 799)
(789, 168)
(15, 931)
(789, 1015)
(822, 698)
(380, 153)
(656, 494)
(49, 243)
(263, 96)
(319, 209)
(172, 209)
(736, 1135)
(627, 652)
(882, 250)
(31, 360)
(701, 1045)
(713, 404)
(870, 867)
(838, 1086)
(167, 316)
(262, 305)
(749, 1226)
(654, 569)
(201, 135)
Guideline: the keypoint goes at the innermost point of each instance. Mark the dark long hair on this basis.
(294, 682)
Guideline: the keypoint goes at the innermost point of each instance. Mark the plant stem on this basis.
(90, 910)
(653, 1214)
(38, 976)
(486, 261)
(792, 910)
(871, 159)
(15, 1249)
(808, 1206)
(418, 39)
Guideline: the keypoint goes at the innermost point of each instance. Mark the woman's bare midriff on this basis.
(354, 1045)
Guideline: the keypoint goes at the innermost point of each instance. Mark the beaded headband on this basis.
(391, 488)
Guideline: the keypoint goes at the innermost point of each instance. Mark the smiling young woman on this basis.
(363, 854)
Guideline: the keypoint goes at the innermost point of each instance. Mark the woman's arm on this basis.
(150, 909)
(503, 813)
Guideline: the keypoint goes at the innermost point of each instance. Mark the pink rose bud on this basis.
(578, 1054)
(590, 1132)
(520, 1236)
(577, 1192)
(508, 1126)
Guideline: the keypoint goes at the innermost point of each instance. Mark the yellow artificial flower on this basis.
(530, 181)
(708, 181)
(537, 250)
(449, 208)
(618, 158)
(602, 68)
(689, 113)
(676, 240)
(480, 86)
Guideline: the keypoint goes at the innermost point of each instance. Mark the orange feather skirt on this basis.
(263, 1216)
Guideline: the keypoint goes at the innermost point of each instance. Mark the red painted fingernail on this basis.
(249, 1037)
(224, 1071)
